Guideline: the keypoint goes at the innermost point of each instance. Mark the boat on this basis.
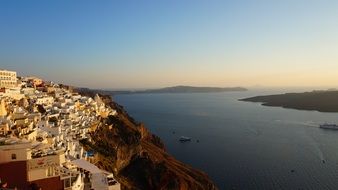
(185, 139)
(328, 126)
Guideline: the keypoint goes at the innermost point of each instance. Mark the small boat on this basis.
(323, 161)
(328, 126)
(185, 139)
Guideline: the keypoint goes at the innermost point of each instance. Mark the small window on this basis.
(13, 156)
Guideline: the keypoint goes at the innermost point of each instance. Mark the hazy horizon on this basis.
(152, 44)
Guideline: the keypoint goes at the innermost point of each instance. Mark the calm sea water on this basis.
(243, 145)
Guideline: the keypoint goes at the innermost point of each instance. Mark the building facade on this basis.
(8, 79)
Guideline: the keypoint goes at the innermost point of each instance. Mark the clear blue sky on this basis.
(155, 43)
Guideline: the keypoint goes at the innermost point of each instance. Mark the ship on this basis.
(328, 126)
(185, 139)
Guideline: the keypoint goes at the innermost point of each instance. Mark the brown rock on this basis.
(138, 158)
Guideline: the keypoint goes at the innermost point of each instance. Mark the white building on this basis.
(98, 178)
(8, 79)
(46, 100)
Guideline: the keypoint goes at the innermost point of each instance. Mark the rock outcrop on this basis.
(138, 158)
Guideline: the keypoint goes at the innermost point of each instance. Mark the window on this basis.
(50, 171)
(13, 156)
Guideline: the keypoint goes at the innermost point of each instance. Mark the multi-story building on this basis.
(8, 79)
(45, 100)
(22, 168)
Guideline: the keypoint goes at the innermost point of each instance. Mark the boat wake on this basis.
(316, 148)
(306, 123)
(318, 151)
(253, 130)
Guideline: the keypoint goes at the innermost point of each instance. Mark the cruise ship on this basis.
(329, 126)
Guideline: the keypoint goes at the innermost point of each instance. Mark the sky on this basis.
(156, 43)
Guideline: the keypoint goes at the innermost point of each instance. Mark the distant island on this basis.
(174, 89)
(191, 89)
(322, 101)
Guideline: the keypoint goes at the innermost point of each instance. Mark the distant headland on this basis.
(322, 101)
(177, 89)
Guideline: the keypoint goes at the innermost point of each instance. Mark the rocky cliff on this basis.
(138, 158)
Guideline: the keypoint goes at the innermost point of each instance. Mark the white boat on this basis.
(329, 126)
(185, 139)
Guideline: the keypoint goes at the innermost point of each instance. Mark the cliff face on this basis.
(138, 158)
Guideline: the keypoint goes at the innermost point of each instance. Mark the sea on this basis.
(242, 145)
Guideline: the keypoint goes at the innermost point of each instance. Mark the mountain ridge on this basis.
(171, 89)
